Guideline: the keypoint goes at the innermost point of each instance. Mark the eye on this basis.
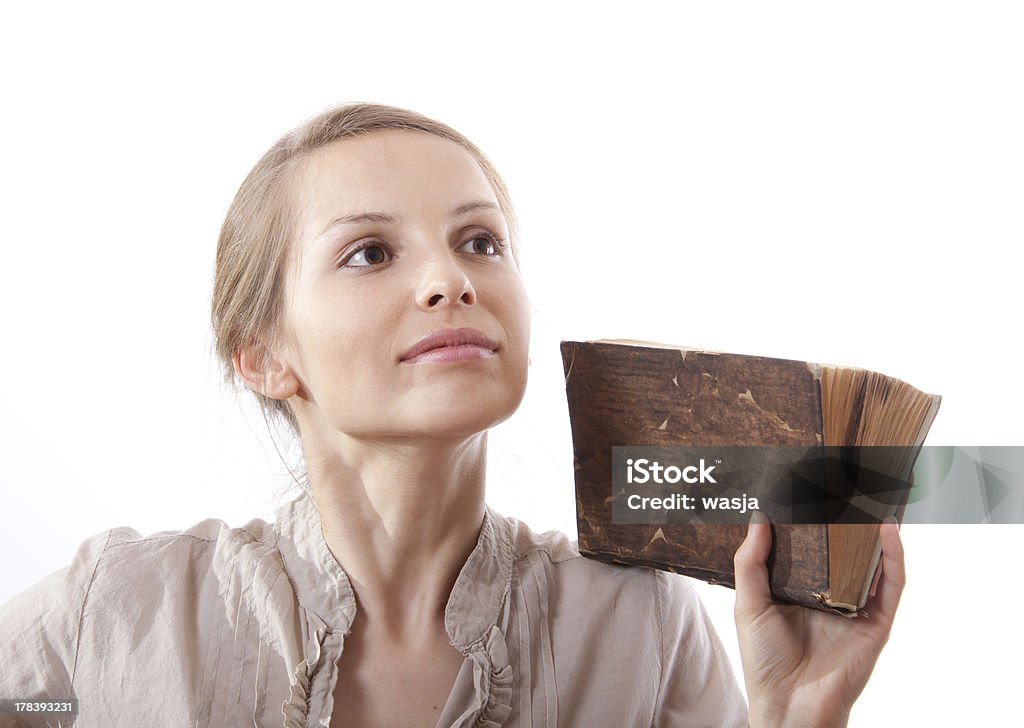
(368, 255)
(486, 244)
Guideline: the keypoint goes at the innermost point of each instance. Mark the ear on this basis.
(269, 376)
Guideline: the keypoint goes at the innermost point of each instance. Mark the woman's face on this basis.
(401, 236)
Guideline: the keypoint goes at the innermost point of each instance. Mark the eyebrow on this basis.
(383, 218)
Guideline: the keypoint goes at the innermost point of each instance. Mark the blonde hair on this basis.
(258, 233)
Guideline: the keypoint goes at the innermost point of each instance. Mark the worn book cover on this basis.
(628, 393)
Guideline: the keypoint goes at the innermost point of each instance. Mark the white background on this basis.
(836, 184)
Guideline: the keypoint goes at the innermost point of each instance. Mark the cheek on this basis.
(342, 344)
(355, 348)
(508, 302)
(519, 306)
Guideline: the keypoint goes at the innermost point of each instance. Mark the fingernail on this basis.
(757, 516)
(890, 519)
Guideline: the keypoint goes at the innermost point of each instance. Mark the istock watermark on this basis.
(801, 484)
(643, 470)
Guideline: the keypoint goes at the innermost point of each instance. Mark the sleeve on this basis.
(698, 687)
(39, 630)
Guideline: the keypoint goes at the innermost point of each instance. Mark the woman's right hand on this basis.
(803, 666)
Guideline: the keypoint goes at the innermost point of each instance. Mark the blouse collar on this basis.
(322, 586)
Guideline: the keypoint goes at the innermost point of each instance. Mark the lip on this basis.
(445, 338)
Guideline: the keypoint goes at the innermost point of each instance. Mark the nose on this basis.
(443, 282)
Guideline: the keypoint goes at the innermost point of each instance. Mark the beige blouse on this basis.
(220, 626)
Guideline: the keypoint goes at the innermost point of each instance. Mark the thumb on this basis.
(753, 595)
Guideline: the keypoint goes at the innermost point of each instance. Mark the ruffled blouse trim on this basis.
(295, 707)
(311, 680)
(492, 680)
(492, 684)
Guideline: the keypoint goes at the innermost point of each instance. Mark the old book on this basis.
(633, 393)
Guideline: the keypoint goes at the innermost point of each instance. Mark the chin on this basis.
(469, 425)
(468, 417)
(455, 408)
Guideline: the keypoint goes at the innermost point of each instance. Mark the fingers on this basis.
(894, 578)
(753, 593)
(874, 579)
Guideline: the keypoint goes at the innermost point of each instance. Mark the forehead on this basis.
(395, 171)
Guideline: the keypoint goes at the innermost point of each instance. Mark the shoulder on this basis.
(561, 557)
(585, 596)
(628, 620)
(120, 566)
(122, 555)
(201, 540)
(116, 581)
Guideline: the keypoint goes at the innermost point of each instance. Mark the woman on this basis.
(368, 292)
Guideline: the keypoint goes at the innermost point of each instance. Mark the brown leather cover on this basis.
(622, 394)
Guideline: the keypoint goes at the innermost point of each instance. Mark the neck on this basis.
(401, 518)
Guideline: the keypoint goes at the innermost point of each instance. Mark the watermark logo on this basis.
(643, 470)
(801, 484)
